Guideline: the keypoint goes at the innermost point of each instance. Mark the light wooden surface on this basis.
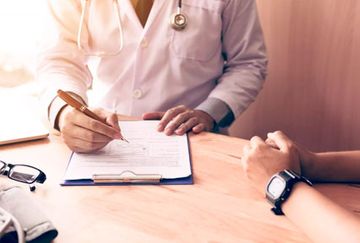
(219, 207)
(312, 90)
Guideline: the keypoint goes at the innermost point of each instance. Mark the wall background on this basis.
(21, 25)
(313, 87)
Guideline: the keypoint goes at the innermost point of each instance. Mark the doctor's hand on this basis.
(83, 134)
(260, 161)
(181, 119)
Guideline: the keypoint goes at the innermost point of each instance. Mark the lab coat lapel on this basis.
(154, 13)
(130, 12)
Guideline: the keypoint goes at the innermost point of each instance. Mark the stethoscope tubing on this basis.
(178, 22)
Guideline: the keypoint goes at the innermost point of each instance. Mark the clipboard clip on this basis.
(127, 176)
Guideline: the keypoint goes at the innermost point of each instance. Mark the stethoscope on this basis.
(178, 21)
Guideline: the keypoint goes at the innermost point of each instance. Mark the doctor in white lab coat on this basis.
(199, 78)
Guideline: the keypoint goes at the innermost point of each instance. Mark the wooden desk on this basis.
(219, 207)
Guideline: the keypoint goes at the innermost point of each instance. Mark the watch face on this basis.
(276, 187)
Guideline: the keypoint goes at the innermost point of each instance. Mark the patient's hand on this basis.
(260, 161)
(307, 158)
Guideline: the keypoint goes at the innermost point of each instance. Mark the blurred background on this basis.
(312, 91)
(21, 26)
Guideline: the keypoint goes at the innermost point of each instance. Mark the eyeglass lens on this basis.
(23, 174)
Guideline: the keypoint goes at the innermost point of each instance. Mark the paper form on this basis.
(148, 152)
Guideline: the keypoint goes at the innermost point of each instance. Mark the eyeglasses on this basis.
(23, 173)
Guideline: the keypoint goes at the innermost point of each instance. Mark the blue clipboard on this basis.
(88, 182)
(133, 179)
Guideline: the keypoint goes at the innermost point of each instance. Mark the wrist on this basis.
(221, 114)
(309, 165)
(209, 120)
(56, 109)
(59, 121)
(295, 196)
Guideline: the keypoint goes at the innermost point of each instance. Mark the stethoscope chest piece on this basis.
(178, 21)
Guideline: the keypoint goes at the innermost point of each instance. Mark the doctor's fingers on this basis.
(81, 146)
(199, 128)
(179, 120)
(85, 134)
(187, 125)
(169, 115)
(110, 118)
(153, 115)
(91, 124)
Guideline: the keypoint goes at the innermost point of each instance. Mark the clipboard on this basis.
(109, 170)
(125, 179)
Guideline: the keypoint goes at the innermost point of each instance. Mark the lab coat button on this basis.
(144, 43)
(137, 94)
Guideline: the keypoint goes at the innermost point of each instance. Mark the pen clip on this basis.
(126, 177)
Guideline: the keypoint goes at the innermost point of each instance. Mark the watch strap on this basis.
(291, 178)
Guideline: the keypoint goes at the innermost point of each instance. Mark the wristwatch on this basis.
(279, 188)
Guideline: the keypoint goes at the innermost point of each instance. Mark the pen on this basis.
(77, 105)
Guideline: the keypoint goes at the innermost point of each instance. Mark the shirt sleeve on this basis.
(60, 64)
(218, 110)
(245, 56)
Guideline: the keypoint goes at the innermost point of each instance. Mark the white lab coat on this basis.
(220, 54)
